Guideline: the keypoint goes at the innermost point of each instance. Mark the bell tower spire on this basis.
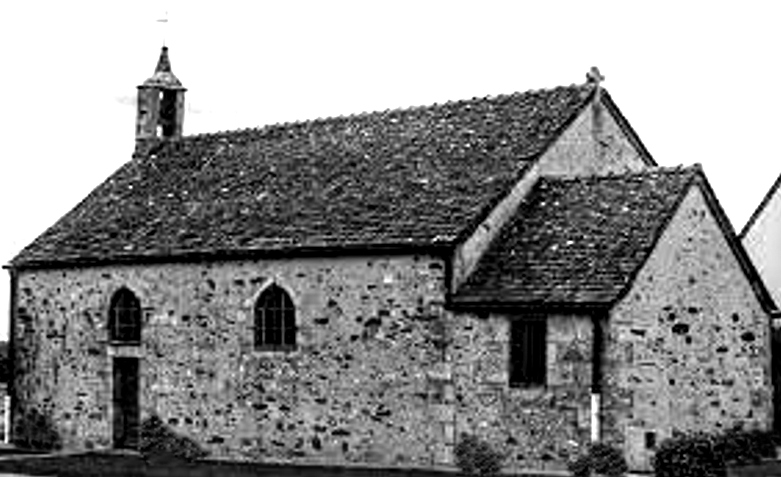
(160, 109)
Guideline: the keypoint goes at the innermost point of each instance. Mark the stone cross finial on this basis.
(594, 76)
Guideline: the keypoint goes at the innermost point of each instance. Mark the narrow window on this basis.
(527, 352)
(168, 113)
(124, 317)
(650, 440)
(275, 321)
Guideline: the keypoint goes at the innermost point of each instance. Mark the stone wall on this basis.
(362, 386)
(584, 150)
(383, 375)
(538, 427)
(689, 345)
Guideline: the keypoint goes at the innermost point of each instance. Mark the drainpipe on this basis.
(775, 361)
(595, 404)
(596, 378)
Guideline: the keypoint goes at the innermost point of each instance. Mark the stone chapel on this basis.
(364, 289)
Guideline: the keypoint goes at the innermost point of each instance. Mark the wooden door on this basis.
(126, 415)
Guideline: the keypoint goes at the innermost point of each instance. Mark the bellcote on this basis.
(160, 107)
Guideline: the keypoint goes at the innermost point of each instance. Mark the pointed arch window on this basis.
(124, 317)
(275, 321)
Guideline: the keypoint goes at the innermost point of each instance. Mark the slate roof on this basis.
(418, 176)
(577, 241)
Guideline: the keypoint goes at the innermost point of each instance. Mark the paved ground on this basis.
(18, 475)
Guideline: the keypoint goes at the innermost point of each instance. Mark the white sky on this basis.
(699, 81)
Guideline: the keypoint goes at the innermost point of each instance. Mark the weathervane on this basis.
(164, 21)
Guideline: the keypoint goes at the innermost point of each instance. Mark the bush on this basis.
(688, 455)
(581, 467)
(476, 457)
(740, 447)
(602, 459)
(159, 441)
(734, 447)
(35, 430)
(710, 454)
(608, 460)
(763, 443)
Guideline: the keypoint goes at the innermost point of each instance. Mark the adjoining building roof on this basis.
(399, 178)
(582, 241)
(761, 208)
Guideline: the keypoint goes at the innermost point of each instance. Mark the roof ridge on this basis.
(256, 130)
(346, 178)
(680, 168)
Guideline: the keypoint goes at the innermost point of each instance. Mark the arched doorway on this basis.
(124, 327)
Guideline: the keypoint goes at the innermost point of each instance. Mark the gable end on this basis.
(700, 181)
(627, 129)
(768, 304)
(576, 241)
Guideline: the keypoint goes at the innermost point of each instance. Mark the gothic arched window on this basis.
(275, 321)
(124, 317)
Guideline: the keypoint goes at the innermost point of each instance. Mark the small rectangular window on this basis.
(650, 440)
(527, 352)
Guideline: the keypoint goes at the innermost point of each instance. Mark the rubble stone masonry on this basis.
(362, 386)
(689, 345)
(537, 427)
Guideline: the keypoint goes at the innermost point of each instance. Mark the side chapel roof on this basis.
(401, 178)
(581, 241)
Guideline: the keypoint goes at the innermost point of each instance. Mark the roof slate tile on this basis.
(412, 176)
(577, 241)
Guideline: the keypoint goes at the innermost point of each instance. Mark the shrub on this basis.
(741, 447)
(35, 430)
(159, 441)
(476, 457)
(688, 455)
(734, 447)
(707, 455)
(602, 459)
(581, 467)
(764, 443)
